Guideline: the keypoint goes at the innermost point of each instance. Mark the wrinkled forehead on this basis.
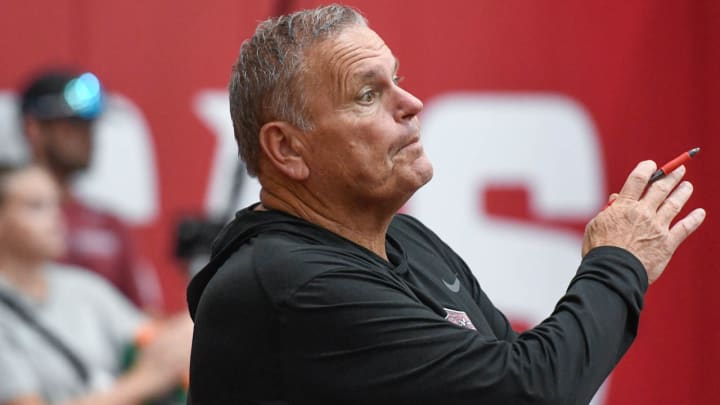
(346, 55)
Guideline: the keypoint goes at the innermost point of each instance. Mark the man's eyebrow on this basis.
(375, 72)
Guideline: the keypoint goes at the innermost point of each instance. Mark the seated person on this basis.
(64, 331)
(60, 136)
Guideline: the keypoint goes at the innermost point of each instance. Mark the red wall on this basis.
(646, 71)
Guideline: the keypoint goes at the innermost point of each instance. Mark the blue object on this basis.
(84, 96)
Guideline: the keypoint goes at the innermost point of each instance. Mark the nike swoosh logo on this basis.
(454, 287)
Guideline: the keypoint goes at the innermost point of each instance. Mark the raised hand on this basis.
(641, 223)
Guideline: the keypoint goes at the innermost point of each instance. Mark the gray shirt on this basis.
(87, 314)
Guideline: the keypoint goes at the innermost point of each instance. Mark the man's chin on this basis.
(424, 170)
(421, 176)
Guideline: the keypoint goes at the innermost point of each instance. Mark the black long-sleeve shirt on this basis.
(290, 313)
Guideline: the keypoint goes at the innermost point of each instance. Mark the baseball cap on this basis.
(61, 94)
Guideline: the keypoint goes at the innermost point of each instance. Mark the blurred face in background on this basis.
(31, 225)
(66, 144)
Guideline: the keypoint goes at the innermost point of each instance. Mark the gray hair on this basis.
(266, 82)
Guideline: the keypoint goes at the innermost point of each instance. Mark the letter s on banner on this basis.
(544, 143)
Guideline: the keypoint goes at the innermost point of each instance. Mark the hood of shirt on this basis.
(249, 223)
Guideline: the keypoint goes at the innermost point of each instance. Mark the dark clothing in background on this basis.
(300, 315)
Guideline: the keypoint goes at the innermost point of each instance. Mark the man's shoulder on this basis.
(287, 255)
(278, 242)
(280, 264)
(284, 249)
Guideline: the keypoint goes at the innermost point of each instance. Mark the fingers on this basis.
(674, 203)
(641, 224)
(658, 191)
(638, 179)
(686, 226)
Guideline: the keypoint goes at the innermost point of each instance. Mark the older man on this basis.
(320, 293)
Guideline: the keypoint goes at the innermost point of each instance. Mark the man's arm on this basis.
(350, 334)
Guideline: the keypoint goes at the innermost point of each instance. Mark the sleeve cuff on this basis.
(617, 269)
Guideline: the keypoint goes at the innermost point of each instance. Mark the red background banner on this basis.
(645, 71)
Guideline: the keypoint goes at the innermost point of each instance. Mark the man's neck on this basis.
(25, 275)
(364, 226)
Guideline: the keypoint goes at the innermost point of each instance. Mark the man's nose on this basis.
(408, 105)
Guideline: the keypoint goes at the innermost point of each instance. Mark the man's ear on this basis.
(282, 145)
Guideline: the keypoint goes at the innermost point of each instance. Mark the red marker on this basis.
(667, 168)
(673, 164)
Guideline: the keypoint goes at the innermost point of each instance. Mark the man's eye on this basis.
(397, 79)
(367, 97)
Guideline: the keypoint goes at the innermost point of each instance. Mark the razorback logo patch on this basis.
(459, 318)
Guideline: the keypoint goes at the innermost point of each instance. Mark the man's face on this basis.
(31, 224)
(364, 143)
(67, 144)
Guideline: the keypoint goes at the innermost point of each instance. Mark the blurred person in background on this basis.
(65, 332)
(59, 109)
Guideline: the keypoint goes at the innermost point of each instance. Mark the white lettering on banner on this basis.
(543, 143)
(213, 108)
(12, 146)
(122, 178)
